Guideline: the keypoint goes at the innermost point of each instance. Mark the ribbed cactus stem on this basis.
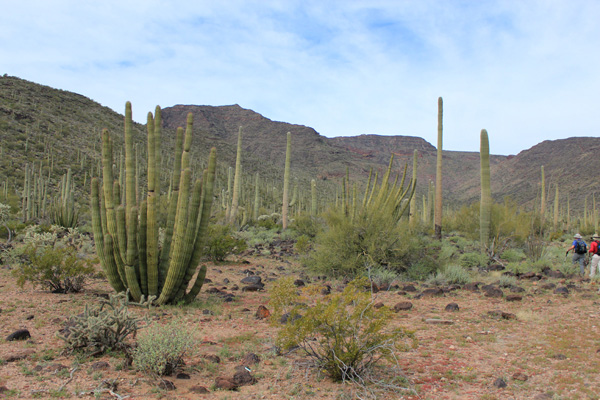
(543, 199)
(485, 211)
(313, 193)
(151, 215)
(556, 210)
(286, 181)
(438, 174)
(412, 217)
(236, 180)
(256, 197)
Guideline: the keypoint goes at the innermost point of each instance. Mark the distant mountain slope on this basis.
(57, 129)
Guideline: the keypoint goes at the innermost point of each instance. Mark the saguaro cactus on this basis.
(237, 181)
(438, 175)
(126, 235)
(485, 209)
(412, 215)
(286, 182)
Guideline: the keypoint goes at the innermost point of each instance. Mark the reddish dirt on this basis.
(551, 348)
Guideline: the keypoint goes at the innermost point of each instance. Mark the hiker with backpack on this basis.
(595, 251)
(579, 251)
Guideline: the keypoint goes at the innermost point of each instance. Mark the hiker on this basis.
(579, 251)
(595, 251)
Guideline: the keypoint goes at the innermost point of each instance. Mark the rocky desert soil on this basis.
(536, 340)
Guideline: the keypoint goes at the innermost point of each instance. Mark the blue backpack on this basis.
(580, 247)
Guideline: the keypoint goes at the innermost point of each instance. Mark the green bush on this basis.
(302, 244)
(513, 255)
(507, 281)
(344, 334)
(255, 236)
(457, 275)
(101, 328)
(307, 225)
(472, 260)
(58, 269)
(382, 277)
(160, 350)
(221, 243)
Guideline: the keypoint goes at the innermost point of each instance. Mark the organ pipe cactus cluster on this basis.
(126, 235)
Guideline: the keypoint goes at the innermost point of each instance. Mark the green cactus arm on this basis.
(154, 278)
(286, 181)
(236, 180)
(142, 233)
(191, 295)
(485, 212)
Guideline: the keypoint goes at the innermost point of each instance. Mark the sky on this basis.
(524, 70)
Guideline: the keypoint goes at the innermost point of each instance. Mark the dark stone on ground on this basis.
(243, 377)
(556, 274)
(29, 317)
(166, 385)
(262, 312)
(20, 334)
(514, 297)
(409, 288)
(561, 290)
(226, 281)
(499, 383)
(496, 267)
(207, 312)
(517, 289)
(21, 355)
(213, 290)
(326, 290)
(253, 288)
(213, 358)
(299, 282)
(183, 375)
(472, 286)
(285, 318)
(452, 307)
(497, 314)
(559, 356)
(378, 305)
(548, 286)
(234, 287)
(493, 292)
(519, 376)
(250, 359)
(403, 306)
(431, 292)
(252, 280)
(197, 389)
(224, 383)
(401, 292)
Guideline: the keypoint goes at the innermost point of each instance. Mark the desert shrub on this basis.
(349, 246)
(256, 235)
(382, 276)
(101, 327)
(437, 279)
(535, 247)
(513, 255)
(307, 225)
(472, 260)
(343, 333)
(457, 275)
(518, 267)
(268, 221)
(161, 348)
(507, 281)
(57, 269)
(302, 244)
(221, 243)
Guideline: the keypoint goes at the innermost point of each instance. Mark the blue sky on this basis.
(525, 70)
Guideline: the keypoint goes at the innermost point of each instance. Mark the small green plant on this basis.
(302, 244)
(58, 269)
(382, 277)
(220, 243)
(455, 274)
(343, 333)
(161, 348)
(507, 281)
(473, 260)
(103, 327)
(513, 255)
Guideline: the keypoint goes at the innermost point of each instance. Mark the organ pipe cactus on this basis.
(286, 182)
(438, 175)
(126, 235)
(485, 211)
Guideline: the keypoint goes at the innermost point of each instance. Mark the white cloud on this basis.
(526, 71)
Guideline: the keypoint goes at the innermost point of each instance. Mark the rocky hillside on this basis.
(58, 129)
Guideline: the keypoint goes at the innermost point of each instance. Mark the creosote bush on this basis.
(221, 242)
(161, 348)
(343, 333)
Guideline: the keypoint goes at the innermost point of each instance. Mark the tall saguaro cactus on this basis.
(235, 200)
(438, 175)
(126, 235)
(412, 215)
(286, 182)
(485, 209)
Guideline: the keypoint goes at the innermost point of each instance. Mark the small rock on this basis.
(559, 356)
(224, 383)
(243, 377)
(212, 358)
(519, 376)
(452, 307)
(183, 375)
(21, 334)
(403, 306)
(197, 389)
(166, 385)
(252, 288)
(493, 292)
(517, 289)
(378, 305)
(431, 292)
(472, 286)
(299, 282)
(285, 318)
(226, 281)
(262, 312)
(561, 290)
(3, 389)
(436, 321)
(207, 312)
(409, 288)
(252, 280)
(19, 356)
(250, 359)
(548, 286)
(513, 297)
(100, 365)
(326, 290)
(29, 317)
(499, 383)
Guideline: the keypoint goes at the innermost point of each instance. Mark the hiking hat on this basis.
(577, 236)
(595, 236)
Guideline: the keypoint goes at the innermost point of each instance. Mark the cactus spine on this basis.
(485, 210)
(126, 235)
(438, 175)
